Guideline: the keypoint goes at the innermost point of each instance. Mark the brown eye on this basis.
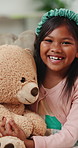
(23, 80)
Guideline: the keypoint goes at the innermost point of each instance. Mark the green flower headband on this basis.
(57, 12)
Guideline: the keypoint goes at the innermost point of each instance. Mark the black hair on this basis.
(46, 29)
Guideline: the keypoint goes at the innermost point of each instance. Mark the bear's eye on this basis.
(23, 80)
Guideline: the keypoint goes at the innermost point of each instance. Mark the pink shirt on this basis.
(52, 102)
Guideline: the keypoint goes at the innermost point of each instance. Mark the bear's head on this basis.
(18, 78)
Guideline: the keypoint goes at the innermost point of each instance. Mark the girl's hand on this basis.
(11, 129)
(2, 127)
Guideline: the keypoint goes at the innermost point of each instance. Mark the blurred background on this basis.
(17, 16)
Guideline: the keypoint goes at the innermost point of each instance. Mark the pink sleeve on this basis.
(67, 137)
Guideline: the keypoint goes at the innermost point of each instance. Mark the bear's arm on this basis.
(39, 126)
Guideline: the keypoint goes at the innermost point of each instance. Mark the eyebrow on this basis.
(71, 38)
(65, 38)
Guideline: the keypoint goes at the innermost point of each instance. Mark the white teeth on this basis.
(55, 58)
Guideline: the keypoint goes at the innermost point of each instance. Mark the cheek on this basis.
(43, 46)
(71, 54)
(42, 49)
(42, 53)
(71, 51)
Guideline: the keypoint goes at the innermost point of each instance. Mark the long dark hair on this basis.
(47, 28)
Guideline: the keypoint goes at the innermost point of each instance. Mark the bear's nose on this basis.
(34, 91)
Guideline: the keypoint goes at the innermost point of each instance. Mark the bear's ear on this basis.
(29, 51)
(26, 39)
(8, 38)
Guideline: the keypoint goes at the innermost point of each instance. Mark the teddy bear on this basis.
(18, 86)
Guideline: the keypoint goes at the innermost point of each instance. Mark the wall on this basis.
(24, 7)
(17, 16)
(72, 4)
(17, 7)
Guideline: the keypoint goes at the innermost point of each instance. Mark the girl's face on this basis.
(59, 49)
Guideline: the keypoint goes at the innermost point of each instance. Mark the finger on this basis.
(8, 127)
(9, 130)
(14, 127)
(3, 131)
(3, 123)
(3, 119)
(2, 128)
(1, 135)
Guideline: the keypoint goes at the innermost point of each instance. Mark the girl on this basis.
(56, 55)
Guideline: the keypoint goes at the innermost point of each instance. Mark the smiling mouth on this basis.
(56, 58)
(27, 100)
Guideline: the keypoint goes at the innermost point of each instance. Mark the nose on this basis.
(56, 47)
(34, 91)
